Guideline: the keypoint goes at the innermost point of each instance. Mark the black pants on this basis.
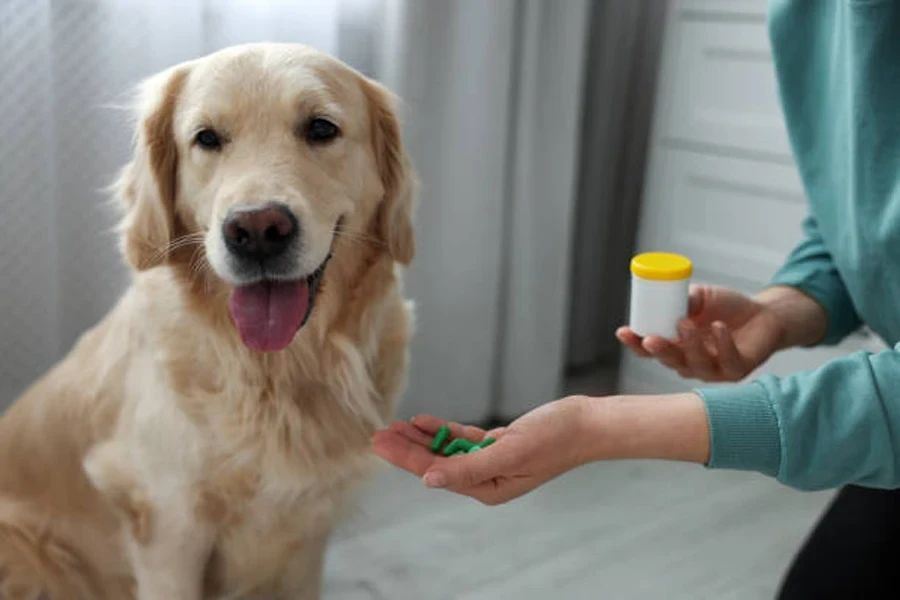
(854, 551)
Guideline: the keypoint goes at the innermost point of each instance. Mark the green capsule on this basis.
(474, 448)
(487, 442)
(440, 437)
(452, 447)
(457, 444)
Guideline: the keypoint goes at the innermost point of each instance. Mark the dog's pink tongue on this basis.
(268, 314)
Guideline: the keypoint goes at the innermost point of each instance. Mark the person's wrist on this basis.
(800, 319)
(579, 426)
(667, 427)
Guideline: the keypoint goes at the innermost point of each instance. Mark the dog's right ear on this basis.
(147, 185)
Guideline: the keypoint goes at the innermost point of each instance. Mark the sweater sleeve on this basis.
(810, 269)
(834, 426)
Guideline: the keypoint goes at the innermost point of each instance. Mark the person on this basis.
(836, 65)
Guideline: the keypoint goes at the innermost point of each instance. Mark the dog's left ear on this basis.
(397, 175)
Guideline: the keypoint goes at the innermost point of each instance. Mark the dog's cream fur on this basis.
(162, 459)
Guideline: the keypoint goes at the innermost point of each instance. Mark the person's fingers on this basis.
(665, 352)
(632, 341)
(731, 363)
(402, 452)
(495, 433)
(469, 470)
(412, 433)
(696, 299)
(695, 353)
(430, 424)
(685, 373)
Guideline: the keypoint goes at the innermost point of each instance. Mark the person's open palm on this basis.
(528, 453)
(725, 337)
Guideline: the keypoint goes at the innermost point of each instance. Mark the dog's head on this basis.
(251, 161)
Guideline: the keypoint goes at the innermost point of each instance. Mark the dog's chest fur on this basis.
(275, 501)
(279, 466)
(261, 451)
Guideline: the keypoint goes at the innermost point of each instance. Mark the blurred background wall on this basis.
(553, 139)
(514, 113)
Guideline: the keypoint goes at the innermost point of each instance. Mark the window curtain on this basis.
(492, 103)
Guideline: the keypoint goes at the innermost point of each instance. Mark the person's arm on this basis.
(821, 429)
(665, 427)
(811, 269)
(836, 425)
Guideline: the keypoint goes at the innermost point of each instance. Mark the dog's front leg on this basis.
(168, 542)
(303, 578)
(169, 561)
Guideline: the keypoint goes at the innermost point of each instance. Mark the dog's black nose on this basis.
(259, 232)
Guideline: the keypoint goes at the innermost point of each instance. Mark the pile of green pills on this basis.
(456, 446)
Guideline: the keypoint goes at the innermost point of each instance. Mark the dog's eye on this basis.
(319, 131)
(208, 139)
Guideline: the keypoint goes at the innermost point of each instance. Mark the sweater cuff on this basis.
(744, 429)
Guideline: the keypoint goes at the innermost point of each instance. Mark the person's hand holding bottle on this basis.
(727, 335)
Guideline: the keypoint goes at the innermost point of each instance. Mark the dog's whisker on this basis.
(359, 237)
(198, 271)
(198, 267)
(176, 244)
(355, 242)
(352, 233)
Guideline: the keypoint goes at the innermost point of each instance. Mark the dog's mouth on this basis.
(269, 313)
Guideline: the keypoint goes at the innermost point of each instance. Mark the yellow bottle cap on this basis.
(661, 266)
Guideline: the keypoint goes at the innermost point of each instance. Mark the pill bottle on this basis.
(659, 293)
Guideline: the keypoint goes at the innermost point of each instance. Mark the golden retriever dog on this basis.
(204, 438)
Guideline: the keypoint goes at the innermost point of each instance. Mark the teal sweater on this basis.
(838, 69)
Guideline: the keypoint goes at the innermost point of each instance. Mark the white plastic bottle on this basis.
(659, 293)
